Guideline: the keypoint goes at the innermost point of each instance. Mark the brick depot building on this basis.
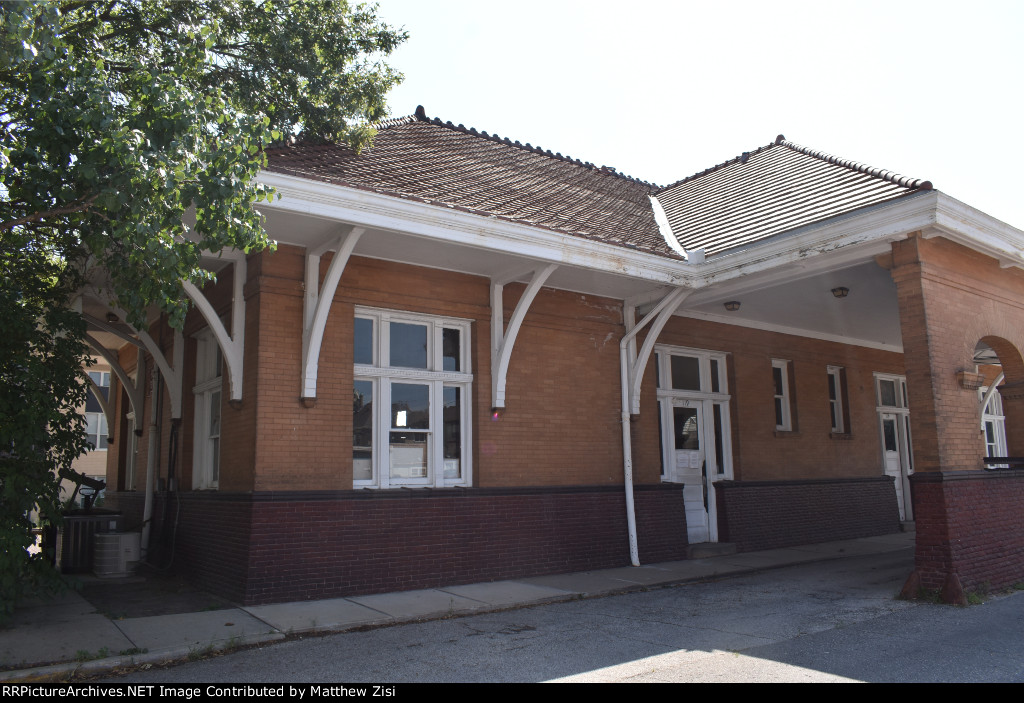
(470, 359)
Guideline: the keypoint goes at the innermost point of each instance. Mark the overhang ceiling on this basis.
(868, 314)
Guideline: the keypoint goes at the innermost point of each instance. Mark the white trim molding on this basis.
(852, 236)
(451, 226)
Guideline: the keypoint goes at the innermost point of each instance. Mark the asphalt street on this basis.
(827, 621)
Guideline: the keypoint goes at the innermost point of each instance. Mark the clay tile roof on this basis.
(441, 163)
(773, 189)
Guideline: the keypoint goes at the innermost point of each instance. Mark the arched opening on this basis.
(1000, 399)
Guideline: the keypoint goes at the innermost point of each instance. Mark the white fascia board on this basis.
(791, 272)
(814, 248)
(443, 224)
(974, 229)
(881, 224)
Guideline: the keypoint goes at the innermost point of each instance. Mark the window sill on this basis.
(787, 434)
(840, 435)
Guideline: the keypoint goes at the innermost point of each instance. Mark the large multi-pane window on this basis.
(410, 406)
(208, 393)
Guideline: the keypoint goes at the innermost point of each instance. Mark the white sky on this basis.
(661, 90)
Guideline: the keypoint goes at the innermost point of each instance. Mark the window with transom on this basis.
(411, 400)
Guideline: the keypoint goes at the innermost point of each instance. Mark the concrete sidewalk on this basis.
(54, 639)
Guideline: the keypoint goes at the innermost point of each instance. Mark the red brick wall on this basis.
(970, 524)
(759, 452)
(237, 446)
(771, 514)
(310, 547)
(950, 299)
(561, 421)
(269, 547)
(202, 534)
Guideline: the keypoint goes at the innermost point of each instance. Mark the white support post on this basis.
(134, 390)
(172, 376)
(502, 340)
(629, 321)
(629, 372)
(233, 347)
(317, 304)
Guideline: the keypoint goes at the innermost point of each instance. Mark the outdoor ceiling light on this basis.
(841, 292)
(732, 305)
(111, 317)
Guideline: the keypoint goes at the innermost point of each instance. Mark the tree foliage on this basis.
(131, 132)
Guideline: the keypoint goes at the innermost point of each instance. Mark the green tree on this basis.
(120, 121)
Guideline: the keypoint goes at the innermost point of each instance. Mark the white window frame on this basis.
(209, 386)
(837, 403)
(785, 398)
(900, 391)
(992, 413)
(99, 419)
(666, 395)
(382, 376)
(99, 422)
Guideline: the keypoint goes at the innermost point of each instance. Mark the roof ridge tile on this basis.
(742, 158)
(890, 176)
(421, 116)
(883, 174)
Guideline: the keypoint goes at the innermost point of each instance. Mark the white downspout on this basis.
(669, 302)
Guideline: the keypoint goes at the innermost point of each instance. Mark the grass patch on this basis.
(195, 655)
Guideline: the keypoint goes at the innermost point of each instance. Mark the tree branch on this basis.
(77, 206)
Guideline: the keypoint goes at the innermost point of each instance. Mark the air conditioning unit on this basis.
(116, 553)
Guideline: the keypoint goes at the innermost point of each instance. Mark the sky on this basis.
(662, 90)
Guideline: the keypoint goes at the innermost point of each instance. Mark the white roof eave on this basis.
(853, 237)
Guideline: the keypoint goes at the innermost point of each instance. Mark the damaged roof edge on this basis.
(666, 229)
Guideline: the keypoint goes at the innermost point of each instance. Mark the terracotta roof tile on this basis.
(446, 164)
(774, 189)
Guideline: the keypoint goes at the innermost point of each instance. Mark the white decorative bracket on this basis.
(657, 318)
(317, 303)
(107, 327)
(502, 340)
(172, 376)
(992, 390)
(134, 390)
(231, 347)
